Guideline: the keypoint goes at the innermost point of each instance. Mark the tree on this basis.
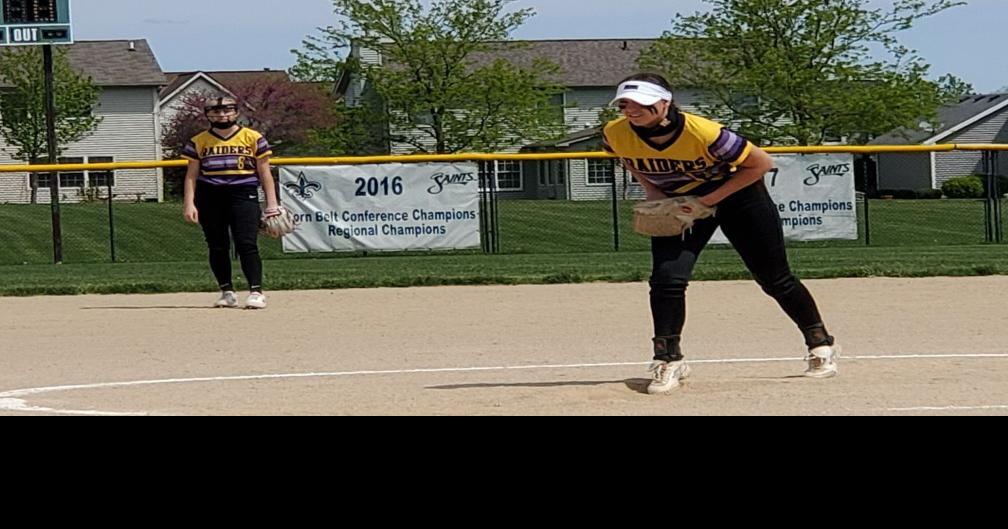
(435, 95)
(952, 88)
(22, 104)
(285, 112)
(319, 59)
(803, 71)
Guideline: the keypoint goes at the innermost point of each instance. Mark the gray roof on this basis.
(113, 63)
(226, 78)
(949, 117)
(117, 62)
(601, 62)
(583, 63)
(592, 135)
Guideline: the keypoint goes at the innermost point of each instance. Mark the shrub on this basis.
(964, 187)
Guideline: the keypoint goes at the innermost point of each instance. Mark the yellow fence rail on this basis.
(471, 157)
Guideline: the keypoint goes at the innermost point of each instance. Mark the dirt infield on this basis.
(911, 346)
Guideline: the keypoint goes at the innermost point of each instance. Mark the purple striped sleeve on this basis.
(263, 148)
(189, 151)
(728, 146)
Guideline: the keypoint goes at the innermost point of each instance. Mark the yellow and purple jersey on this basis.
(699, 158)
(228, 161)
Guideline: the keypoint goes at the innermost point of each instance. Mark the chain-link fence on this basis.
(559, 206)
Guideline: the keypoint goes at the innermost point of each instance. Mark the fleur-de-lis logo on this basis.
(304, 188)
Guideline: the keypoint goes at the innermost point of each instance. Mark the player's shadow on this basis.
(156, 307)
(637, 384)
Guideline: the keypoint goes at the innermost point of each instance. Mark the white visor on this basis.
(642, 92)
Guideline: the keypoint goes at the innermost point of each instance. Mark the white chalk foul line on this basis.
(949, 408)
(13, 401)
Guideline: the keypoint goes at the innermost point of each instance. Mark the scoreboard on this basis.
(34, 22)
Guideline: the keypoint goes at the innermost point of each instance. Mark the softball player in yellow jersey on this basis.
(673, 153)
(227, 164)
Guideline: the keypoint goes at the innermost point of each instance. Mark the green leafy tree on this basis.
(319, 60)
(22, 104)
(351, 131)
(433, 91)
(804, 71)
(952, 88)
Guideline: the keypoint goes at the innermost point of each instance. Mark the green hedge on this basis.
(964, 187)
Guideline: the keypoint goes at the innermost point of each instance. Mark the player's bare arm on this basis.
(192, 172)
(268, 184)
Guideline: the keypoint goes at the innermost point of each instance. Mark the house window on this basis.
(506, 174)
(601, 172)
(72, 179)
(101, 178)
(509, 175)
(79, 179)
(43, 180)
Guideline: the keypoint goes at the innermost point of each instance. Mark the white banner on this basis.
(814, 195)
(392, 207)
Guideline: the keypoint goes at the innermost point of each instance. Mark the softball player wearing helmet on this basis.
(227, 164)
(673, 153)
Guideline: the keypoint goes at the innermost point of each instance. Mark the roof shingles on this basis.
(114, 63)
(949, 117)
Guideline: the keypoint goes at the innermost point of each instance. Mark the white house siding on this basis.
(418, 135)
(583, 106)
(171, 107)
(952, 164)
(424, 137)
(355, 89)
(126, 133)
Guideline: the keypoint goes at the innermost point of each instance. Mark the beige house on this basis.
(130, 78)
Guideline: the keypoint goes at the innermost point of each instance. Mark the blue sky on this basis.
(967, 41)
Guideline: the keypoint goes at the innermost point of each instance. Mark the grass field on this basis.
(156, 232)
(541, 242)
(429, 270)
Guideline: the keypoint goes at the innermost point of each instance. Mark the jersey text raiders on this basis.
(700, 156)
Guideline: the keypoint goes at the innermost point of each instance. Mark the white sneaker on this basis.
(665, 376)
(228, 300)
(256, 300)
(822, 362)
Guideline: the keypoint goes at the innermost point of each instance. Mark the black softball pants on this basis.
(751, 222)
(226, 212)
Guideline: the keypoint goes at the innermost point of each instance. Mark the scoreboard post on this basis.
(41, 23)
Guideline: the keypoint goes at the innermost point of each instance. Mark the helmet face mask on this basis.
(222, 112)
(222, 109)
